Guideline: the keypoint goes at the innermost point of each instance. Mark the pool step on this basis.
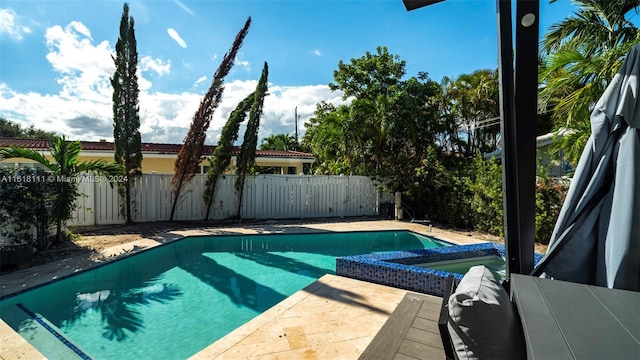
(42, 334)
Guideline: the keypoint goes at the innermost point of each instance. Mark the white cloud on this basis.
(199, 81)
(184, 7)
(84, 68)
(165, 117)
(175, 36)
(81, 109)
(157, 65)
(79, 27)
(278, 111)
(317, 52)
(10, 26)
(243, 63)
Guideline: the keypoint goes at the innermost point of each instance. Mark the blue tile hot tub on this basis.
(422, 270)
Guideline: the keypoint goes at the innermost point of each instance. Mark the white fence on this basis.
(265, 197)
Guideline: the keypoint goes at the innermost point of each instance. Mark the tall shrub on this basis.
(550, 195)
(440, 190)
(247, 156)
(221, 157)
(486, 203)
(126, 117)
(190, 155)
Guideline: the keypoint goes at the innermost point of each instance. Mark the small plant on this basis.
(63, 169)
(26, 202)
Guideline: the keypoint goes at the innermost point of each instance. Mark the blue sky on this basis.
(55, 55)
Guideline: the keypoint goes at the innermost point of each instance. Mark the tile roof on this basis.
(25, 143)
(40, 144)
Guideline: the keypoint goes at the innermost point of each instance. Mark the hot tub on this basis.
(423, 270)
(495, 264)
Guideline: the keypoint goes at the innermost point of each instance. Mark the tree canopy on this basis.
(282, 142)
(12, 129)
(392, 123)
(582, 53)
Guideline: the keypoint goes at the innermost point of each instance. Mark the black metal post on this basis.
(526, 109)
(518, 111)
(508, 131)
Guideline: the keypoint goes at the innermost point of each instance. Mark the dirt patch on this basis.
(94, 239)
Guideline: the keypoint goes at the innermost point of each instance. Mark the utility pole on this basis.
(295, 116)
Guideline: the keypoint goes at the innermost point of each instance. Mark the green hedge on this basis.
(468, 194)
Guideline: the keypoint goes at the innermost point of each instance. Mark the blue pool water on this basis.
(174, 300)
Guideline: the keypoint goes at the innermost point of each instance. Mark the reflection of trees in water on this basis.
(240, 289)
(117, 307)
(284, 263)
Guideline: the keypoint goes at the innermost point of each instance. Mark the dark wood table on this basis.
(563, 320)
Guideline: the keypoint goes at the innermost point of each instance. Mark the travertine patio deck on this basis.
(334, 318)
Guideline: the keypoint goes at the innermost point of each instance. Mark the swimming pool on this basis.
(172, 301)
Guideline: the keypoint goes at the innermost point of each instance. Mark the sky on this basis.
(55, 56)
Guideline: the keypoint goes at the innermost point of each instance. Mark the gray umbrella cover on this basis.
(596, 239)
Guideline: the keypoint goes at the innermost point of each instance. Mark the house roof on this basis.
(157, 148)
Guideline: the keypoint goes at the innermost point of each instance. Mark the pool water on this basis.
(495, 264)
(174, 300)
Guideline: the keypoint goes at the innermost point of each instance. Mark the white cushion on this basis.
(483, 322)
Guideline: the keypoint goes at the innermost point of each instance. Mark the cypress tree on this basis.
(247, 156)
(126, 117)
(190, 154)
(221, 157)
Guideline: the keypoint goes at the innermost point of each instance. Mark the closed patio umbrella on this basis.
(596, 239)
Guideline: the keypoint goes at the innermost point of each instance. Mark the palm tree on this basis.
(583, 53)
(596, 26)
(337, 141)
(475, 103)
(66, 170)
(282, 142)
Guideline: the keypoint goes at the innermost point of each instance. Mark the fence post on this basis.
(153, 189)
(398, 205)
(376, 207)
(95, 202)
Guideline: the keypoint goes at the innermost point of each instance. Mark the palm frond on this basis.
(30, 154)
